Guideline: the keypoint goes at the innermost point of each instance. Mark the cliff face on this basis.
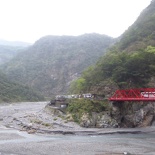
(138, 114)
(126, 115)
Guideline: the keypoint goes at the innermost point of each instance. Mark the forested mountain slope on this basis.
(129, 63)
(141, 33)
(53, 62)
(12, 92)
(7, 52)
(8, 49)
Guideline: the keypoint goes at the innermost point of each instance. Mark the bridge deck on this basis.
(132, 99)
(137, 94)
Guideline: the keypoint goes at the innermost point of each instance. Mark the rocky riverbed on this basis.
(34, 117)
(31, 128)
(40, 118)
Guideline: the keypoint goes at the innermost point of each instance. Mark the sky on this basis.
(29, 20)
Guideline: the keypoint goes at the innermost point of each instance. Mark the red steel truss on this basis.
(137, 94)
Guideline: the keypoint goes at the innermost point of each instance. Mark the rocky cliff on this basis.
(137, 114)
(126, 115)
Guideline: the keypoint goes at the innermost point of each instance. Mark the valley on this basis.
(89, 63)
(88, 94)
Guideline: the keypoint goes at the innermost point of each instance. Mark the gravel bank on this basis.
(40, 133)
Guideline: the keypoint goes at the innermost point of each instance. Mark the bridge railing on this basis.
(137, 94)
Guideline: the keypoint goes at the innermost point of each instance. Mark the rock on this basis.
(29, 125)
(98, 120)
(147, 121)
(126, 153)
(31, 131)
(137, 114)
(127, 121)
(136, 107)
(18, 123)
(103, 121)
(153, 122)
(85, 121)
(14, 118)
(116, 113)
(69, 118)
(138, 117)
(53, 110)
(106, 121)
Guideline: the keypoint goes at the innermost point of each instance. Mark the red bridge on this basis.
(137, 94)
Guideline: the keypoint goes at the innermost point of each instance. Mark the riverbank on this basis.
(22, 143)
(20, 135)
(33, 118)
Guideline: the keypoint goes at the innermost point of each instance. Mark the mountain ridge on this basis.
(14, 92)
(53, 62)
(141, 32)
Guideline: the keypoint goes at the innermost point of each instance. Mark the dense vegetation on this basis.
(141, 33)
(9, 49)
(8, 52)
(54, 61)
(79, 107)
(12, 92)
(125, 69)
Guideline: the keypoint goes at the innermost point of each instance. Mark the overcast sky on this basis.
(29, 20)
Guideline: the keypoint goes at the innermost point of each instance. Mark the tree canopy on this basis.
(126, 69)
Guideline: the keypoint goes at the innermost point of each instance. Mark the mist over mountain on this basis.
(53, 62)
(8, 49)
(14, 43)
(8, 52)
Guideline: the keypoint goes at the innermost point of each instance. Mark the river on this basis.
(13, 141)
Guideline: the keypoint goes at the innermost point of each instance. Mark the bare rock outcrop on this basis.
(98, 120)
(137, 114)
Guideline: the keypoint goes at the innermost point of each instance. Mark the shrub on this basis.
(77, 107)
